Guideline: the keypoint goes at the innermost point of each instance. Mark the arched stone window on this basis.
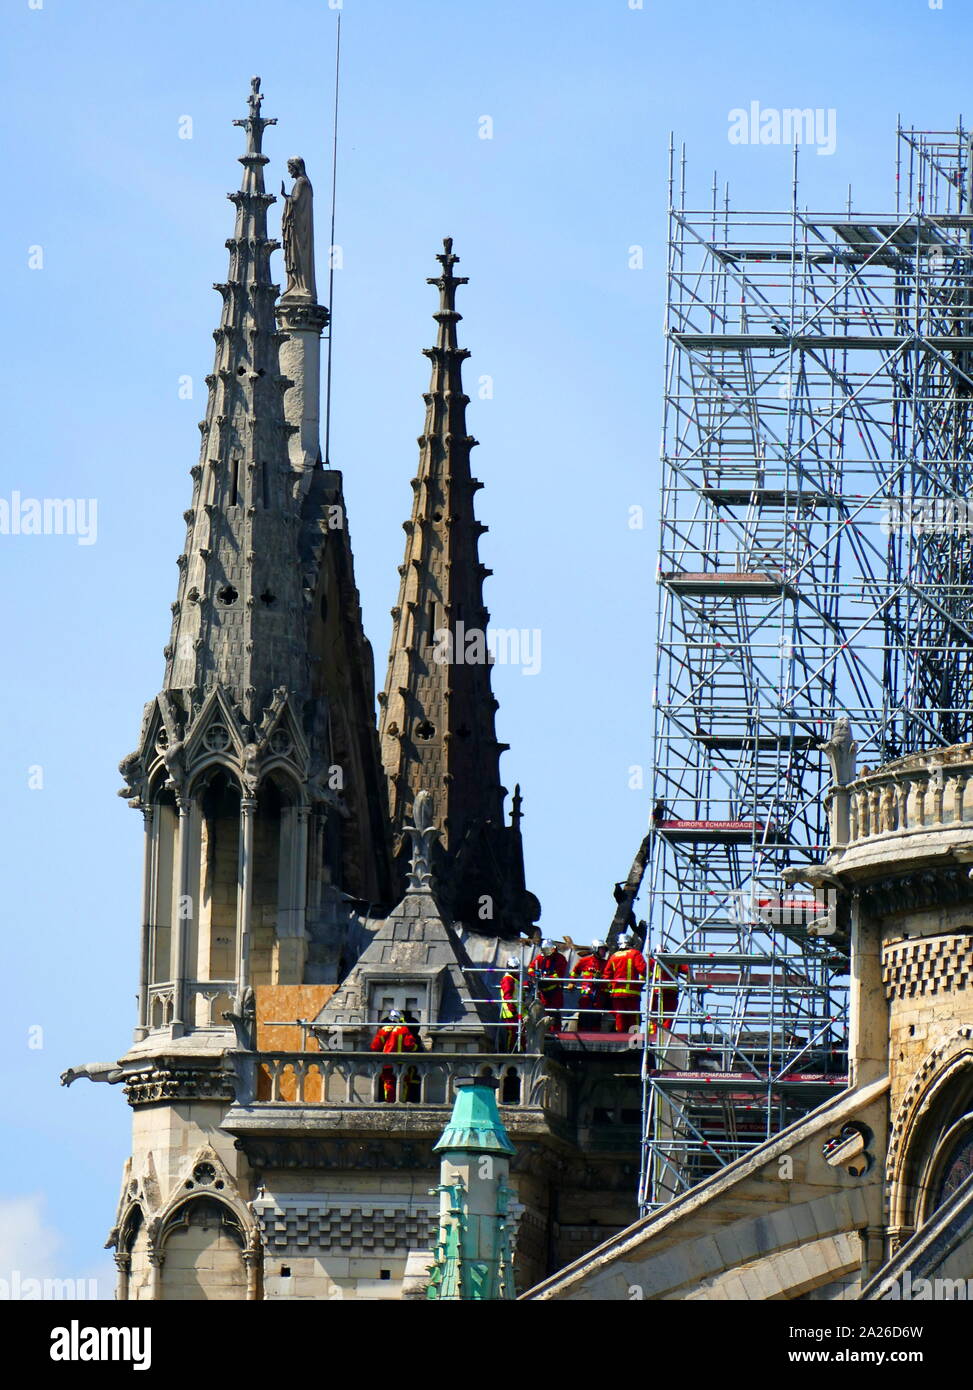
(161, 852)
(279, 883)
(510, 1088)
(953, 1163)
(937, 1142)
(213, 945)
(131, 1255)
(203, 1246)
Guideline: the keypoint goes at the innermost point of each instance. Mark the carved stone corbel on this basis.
(849, 1149)
(243, 1017)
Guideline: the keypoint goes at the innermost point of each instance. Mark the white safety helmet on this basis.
(513, 963)
(394, 1016)
(597, 945)
(547, 945)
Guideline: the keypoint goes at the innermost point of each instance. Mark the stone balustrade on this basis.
(428, 1079)
(160, 1007)
(206, 1001)
(887, 809)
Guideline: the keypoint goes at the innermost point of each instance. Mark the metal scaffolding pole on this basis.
(814, 561)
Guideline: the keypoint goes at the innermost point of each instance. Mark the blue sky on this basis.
(131, 222)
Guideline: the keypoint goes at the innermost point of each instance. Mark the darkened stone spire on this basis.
(238, 616)
(437, 725)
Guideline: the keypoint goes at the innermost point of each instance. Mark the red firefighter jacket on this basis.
(555, 964)
(626, 971)
(590, 970)
(394, 1037)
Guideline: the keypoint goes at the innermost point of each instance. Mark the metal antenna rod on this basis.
(334, 191)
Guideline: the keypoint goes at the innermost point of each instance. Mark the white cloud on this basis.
(32, 1261)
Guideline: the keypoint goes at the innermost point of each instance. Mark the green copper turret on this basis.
(473, 1254)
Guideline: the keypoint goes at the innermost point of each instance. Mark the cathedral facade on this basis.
(308, 869)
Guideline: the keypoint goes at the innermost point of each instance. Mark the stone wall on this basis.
(785, 1221)
(343, 1235)
(929, 985)
(349, 1235)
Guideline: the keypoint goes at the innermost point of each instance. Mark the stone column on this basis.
(937, 787)
(248, 809)
(300, 361)
(319, 820)
(868, 1025)
(959, 793)
(299, 891)
(251, 1263)
(183, 906)
(123, 1263)
(902, 795)
(839, 798)
(148, 918)
(291, 927)
(873, 1251)
(156, 1260)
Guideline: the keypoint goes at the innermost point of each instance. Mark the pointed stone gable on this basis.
(413, 941)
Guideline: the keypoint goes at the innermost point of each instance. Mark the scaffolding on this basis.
(814, 562)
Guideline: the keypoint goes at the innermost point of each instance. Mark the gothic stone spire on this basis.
(437, 725)
(237, 618)
(268, 673)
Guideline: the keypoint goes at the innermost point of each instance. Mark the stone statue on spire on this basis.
(297, 233)
(423, 834)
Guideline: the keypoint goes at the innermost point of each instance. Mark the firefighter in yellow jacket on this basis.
(511, 993)
(625, 976)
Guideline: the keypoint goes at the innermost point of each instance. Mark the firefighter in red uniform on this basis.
(592, 998)
(625, 973)
(510, 1001)
(394, 1035)
(547, 970)
(664, 993)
